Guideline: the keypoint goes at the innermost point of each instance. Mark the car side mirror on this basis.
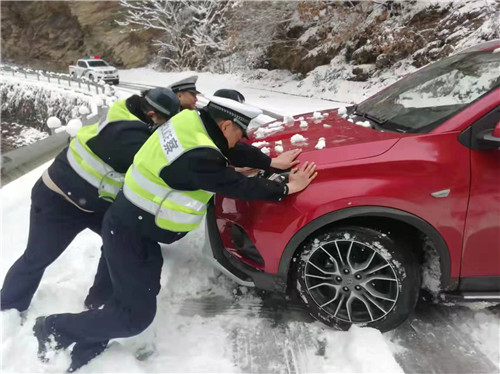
(492, 137)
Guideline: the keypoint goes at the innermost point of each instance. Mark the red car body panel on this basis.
(366, 167)
(481, 254)
(387, 180)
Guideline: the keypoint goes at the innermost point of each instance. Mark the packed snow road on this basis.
(206, 323)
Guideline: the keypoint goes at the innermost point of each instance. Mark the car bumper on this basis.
(229, 265)
(107, 78)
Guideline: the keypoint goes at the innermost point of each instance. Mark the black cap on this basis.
(185, 85)
(239, 113)
(230, 94)
(164, 101)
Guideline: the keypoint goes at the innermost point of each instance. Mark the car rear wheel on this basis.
(357, 275)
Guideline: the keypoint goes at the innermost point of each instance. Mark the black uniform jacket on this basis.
(206, 169)
(116, 145)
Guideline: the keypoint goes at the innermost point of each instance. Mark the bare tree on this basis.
(256, 24)
(192, 32)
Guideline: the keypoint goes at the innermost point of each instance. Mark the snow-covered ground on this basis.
(205, 322)
(265, 97)
(182, 338)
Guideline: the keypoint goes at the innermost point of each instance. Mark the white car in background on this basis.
(95, 69)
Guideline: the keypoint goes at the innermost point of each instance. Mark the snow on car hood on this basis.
(327, 135)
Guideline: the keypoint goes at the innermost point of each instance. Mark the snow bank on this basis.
(45, 100)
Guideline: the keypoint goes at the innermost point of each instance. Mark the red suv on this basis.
(407, 195)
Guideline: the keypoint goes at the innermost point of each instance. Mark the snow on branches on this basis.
(191, 32)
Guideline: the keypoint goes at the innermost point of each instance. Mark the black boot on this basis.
(84, 352)
(45, 337)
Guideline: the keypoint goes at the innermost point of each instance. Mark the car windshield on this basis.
(97, 63)
(427, 98)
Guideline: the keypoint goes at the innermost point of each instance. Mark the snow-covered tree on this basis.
(190, 32)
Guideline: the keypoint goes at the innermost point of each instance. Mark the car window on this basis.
(97, 63)
(427, 98)
(82, 64)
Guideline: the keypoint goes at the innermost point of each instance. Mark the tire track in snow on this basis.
(277, 339)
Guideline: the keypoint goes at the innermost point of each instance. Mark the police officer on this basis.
(76, 190)
(252, 151)
(166, 190)
(186, 92)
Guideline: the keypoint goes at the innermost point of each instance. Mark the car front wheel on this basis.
(357, 275)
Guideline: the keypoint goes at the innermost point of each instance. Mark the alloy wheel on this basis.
(351, 281)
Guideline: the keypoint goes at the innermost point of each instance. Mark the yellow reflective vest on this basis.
(86, 163)
(174, 210)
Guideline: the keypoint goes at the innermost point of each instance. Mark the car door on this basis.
(82, 67)
(481, 251)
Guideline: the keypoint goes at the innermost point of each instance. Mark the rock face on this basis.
(54, 34)
(380, 33)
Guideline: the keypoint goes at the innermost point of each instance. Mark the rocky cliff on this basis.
(54, 34)
(362, 38)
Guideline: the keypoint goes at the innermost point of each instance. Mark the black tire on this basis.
(91, 77)
(116, 81)
(339, 292)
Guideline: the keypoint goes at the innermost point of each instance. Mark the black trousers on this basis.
(134, 264)
(54, 223)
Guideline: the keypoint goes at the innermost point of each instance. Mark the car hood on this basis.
(103, 68)
(343, 140)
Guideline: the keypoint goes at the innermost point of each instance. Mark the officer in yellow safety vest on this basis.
(165, 194)
(77, 189)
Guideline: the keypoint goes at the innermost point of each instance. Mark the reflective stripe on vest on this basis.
(90, 167)
(161, 212)
(100, 175)
(174, 210)
(173, 195)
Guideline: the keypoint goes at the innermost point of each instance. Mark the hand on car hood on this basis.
(325, 136)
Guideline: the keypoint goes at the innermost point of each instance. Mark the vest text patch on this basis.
(169, 142)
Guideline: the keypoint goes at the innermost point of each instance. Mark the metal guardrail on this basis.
(60, 79)
(20, 161)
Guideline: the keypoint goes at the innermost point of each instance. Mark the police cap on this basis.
(230, 94)
(239, 113)
(164, 101)
(185, 85)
